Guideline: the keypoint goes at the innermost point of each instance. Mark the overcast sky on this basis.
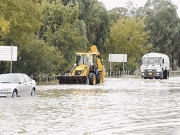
(109, 4)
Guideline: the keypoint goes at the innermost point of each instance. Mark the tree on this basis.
(163, 22)
(95, 19)
(23, 18)
(4, 28)
(116, 14)
(62, 28)
(19, 22)
(39, 58)
(74, 26)
(120, 12)
(95, 16)
(128, 36)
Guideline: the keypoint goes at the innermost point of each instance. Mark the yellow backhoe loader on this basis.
(88, 69)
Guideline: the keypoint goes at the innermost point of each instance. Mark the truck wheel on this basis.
(165, 73)
(165, 77)
(92, 79)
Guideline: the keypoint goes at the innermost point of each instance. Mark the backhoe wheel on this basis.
(99, 78)
(92, 79)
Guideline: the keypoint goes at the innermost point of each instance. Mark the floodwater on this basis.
(120, 106)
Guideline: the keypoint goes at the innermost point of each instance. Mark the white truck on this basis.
(155, 65)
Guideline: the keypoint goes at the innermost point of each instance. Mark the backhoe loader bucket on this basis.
(72, 79)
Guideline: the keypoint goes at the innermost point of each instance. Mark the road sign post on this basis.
(117, 58)
(8, 53)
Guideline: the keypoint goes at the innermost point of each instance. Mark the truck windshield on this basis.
(82, 60)
(151, 61)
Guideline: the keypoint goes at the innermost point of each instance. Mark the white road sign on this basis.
(117, 57)
(8, 53)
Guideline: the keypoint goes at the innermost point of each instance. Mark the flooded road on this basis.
(120, 106)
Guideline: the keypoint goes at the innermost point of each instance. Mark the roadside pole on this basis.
(110, 64)
(11, 58)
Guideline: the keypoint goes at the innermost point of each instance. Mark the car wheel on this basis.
(33, 92)
(15, 94)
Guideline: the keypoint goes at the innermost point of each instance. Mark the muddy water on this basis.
(120, 106)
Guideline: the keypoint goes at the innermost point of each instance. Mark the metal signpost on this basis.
(8, 53)
(117, 58)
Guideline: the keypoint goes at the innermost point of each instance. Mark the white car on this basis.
(16, 84)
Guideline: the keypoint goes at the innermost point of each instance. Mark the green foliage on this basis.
(23, 17)
(163, 22)
(122, 12)
(117, 13)
(128, 36)
(96, 19)
(39, 58)
(64, 32)
(4, 24)
(4, 28)
(61, 28)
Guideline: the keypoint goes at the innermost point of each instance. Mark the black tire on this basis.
(98, 78)
(33, 92)
(92, 79)
(165, 73)
(15, 94)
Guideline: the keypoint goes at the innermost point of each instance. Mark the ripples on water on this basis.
(117, 107)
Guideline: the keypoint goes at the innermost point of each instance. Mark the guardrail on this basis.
(174, 73)
(53, 79)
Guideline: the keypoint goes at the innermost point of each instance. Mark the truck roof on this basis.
(154, 54)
